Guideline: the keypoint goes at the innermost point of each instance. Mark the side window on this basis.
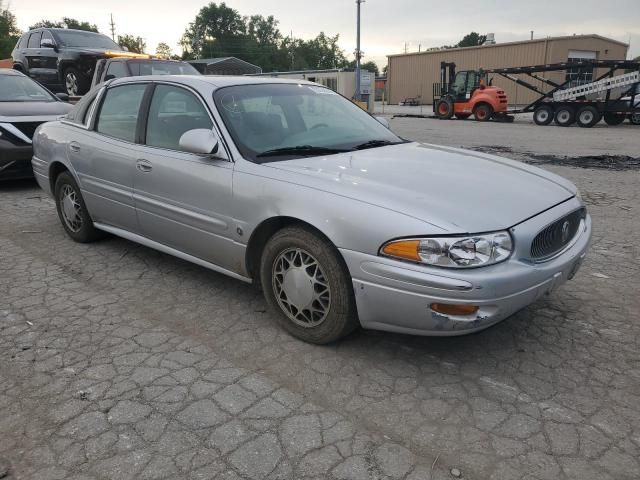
(22, 43)
(47, 36)
(34, 40)
(116, 70)
(118, 115)
(174, 111)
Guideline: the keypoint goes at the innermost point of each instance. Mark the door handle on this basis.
(74, 147)
(144, 165)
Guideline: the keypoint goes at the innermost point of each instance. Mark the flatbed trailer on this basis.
(567, 104)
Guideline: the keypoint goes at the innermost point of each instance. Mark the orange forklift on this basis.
(467, 93)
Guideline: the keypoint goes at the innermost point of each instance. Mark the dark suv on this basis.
(62, 59)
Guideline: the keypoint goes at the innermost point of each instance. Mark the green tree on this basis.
(370, 66)
(163, 50)
(66, 22)
(9, 32)
(133, 44)
(471, 40)
(217, 31)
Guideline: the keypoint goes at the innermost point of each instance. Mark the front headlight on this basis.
(453, 252)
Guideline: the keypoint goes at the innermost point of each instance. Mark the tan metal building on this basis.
(413, 74)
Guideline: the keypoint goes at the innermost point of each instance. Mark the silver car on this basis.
(291, 186)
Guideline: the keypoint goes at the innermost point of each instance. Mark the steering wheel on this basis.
(319, 125)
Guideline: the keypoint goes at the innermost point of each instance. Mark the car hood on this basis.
(12, 111)
(456, 190)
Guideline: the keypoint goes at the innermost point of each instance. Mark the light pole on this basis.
(358, 53)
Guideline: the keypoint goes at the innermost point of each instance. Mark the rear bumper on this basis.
(15, 161)
(396, 296)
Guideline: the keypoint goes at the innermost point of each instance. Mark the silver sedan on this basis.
(291, 186)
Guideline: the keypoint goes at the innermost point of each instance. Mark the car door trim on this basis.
(169, 250)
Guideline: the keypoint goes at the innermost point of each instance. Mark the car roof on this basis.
(215, 81)
(55, 29)
(11, 71)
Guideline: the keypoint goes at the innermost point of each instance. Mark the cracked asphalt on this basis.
(118, 362)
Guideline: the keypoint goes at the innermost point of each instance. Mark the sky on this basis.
(386, 24)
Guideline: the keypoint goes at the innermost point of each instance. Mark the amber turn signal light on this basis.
(447, 309)
(405, 249)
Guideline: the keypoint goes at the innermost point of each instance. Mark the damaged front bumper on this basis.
(396, 296)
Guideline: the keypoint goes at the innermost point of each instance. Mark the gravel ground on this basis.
(119, 362)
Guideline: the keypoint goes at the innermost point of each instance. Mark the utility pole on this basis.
(358, 53)
(113, 29)
(531, 34)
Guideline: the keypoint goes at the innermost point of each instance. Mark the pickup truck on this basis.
(118, 67)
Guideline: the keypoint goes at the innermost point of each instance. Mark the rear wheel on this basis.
(635, 118)
(483, 112)
(308, 286)
(72, 210)
(543, 115)
(565, 116)
(588, 116)
(613, 118)
(444, 108)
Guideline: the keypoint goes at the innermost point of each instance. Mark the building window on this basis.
(579, 75)
(332, 83)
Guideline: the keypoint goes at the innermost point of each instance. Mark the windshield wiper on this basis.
(301, 150)
(374, 144)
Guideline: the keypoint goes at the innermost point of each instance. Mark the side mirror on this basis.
(384, 122)
(63, 96)
(199, 140)
(47, 43)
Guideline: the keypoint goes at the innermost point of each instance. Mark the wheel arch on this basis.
(265, 230)
(482, 101)
(55, 169)
(18, 66)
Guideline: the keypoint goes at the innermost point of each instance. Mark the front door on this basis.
(105, 158)
(183, 200)
(32, 55)
(48, 59)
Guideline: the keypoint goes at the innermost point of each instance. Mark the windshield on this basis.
(16, 88)
(161, 68)
(298, 120)
(86, 40)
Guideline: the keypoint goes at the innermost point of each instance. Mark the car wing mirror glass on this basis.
(200, 140)
(47, 43)
(384, 122)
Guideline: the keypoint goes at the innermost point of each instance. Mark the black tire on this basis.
(613, 119)
(634, 118)
(483, 112)
(444, 108)
(85, 232)
(462, 116)
(75, 83)
(565, 116)
(543, 115)
(588, 116)
(339, 317)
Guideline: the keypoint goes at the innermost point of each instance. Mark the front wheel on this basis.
(634, 118)
(444, 108)
(72, 210)
(74, 82)
(308, 286)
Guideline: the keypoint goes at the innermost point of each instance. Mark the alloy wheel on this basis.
(70, 208)
(301, 287)
(71, 82)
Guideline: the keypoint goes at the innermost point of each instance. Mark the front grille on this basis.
(557, 235)
(28, 128)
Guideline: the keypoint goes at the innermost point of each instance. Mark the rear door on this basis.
(105, 154)
(183, 200)
(32, 56)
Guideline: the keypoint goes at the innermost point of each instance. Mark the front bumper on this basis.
(396, 296)
(15, 161)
